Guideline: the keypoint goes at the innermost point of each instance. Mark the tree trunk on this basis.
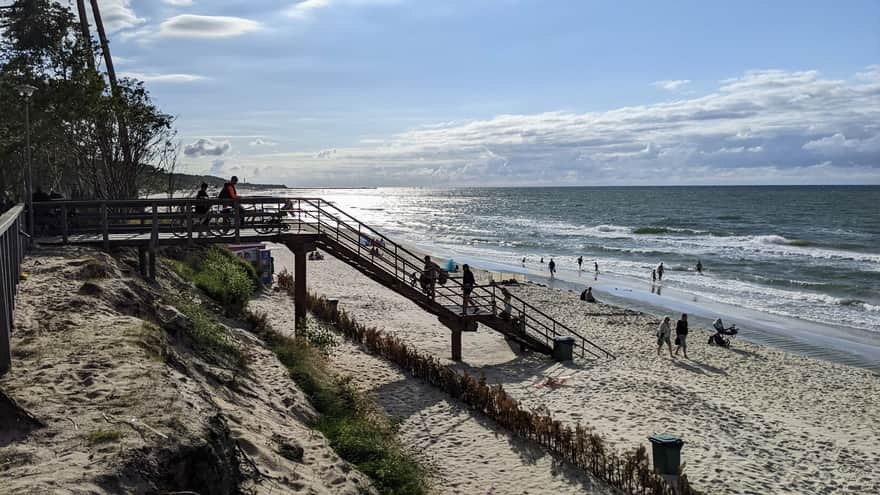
(114, 85)
(86, 35)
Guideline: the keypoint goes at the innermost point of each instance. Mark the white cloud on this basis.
(671, 85)
(178, 3)
(259, 141)
(206, 26)
(838, 143)
(206, 147)
(306, 9)
(163, 78)
(752, 129)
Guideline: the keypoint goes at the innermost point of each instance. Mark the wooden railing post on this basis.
(64, 233)
(189, 224)
(105, 226)
(236, 205)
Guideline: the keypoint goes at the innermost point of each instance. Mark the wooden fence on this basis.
(12, 248)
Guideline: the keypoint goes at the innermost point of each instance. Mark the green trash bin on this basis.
(563, 348)
(666, 451)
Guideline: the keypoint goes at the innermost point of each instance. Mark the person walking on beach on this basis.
(660, 271)
(699, 267)
(552, 267)
(467, 286)
(663, 333)
(580, 263)
(681, 333)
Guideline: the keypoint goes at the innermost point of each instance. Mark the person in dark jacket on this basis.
(681, 333)
(202, 207)
(467, 286)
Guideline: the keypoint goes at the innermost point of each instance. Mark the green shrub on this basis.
(357, 430)
(223, 276)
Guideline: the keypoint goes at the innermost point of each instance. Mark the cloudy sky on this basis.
(513, 92)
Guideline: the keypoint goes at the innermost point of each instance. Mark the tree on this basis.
(89, 139)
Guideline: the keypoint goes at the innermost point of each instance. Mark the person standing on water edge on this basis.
(660, 271)
(552, 267)
(663, 332)
(653, 276)
(580, 263)
(681, 333)
(699, 267)
(596, 266)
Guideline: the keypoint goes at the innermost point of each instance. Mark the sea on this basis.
(797, 266)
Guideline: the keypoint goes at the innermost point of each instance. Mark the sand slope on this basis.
(85, 361)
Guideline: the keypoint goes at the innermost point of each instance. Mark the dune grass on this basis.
(357, 429)
(210, 338)
(103, 436)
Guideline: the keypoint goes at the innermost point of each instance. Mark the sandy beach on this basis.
(754, 419)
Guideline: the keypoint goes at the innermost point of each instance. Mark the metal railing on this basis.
(400, 263)
(13, 242)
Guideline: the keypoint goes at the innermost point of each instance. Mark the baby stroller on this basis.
(718, 339)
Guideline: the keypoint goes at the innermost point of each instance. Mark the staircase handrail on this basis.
(495, 305)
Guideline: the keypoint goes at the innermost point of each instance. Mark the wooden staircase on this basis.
(398, 268)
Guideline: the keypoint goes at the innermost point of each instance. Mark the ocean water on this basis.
(807, 253)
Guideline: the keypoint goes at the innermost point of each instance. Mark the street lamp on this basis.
(26, 91)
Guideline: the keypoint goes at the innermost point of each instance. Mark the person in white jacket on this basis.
(663, 333)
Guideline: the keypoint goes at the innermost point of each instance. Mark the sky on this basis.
(360, 93)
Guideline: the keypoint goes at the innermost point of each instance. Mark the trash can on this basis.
(563, 348)
(666, 451)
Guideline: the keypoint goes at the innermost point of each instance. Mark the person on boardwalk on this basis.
(552, 267)
(467, 286)
(663, 333)
(660, 271)
(508, 308)
(580, 263)
(202, 207)
(681, 333)
(699, 267)
(228, 191)
(428, 278)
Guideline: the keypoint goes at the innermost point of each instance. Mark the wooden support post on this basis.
(105, 227)
(299, 292)
(64, 224)
(152, 271)
(8, 270)
(456, 345)
(142, 261)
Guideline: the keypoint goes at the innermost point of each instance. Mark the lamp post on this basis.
(26, 91)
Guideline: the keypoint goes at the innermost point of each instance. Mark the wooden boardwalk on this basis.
(302, 224)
